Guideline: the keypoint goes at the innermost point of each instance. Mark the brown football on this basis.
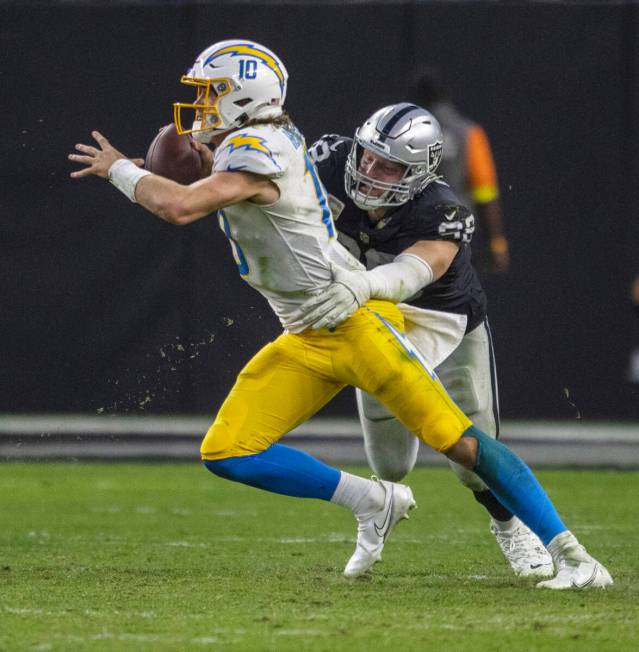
(171, 155)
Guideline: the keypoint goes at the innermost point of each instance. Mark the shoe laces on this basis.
(517, 543)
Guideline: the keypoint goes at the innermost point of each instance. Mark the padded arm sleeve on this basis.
(401, 279)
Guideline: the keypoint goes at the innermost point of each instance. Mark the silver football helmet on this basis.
(404, 133)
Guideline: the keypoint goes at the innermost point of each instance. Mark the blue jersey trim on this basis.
(327, 218)
(240, 258)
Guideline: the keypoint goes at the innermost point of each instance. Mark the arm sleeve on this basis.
(401, 279)
(482, 177)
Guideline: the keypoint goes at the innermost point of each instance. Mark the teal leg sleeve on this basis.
(515, 486)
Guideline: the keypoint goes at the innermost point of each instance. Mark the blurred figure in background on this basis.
(634, 293)
(468, 166)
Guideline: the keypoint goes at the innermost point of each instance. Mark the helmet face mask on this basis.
(236, 81)
(207, 114)
(401, 133)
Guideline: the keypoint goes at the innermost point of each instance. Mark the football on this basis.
(171, 155)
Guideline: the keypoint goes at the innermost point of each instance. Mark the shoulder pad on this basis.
(257, 150)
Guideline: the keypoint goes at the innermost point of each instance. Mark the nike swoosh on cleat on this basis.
(381, 530)
(533, 566)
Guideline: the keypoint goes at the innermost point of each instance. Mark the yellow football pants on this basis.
(290, 379)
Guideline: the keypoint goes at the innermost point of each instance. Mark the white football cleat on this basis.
(576, 569)
(523, 550)
(374, 527)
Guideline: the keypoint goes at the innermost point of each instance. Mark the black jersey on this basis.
(435, 214)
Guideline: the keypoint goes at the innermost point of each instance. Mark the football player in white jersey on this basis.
(274, 210)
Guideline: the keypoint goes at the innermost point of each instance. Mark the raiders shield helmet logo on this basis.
(435, 155)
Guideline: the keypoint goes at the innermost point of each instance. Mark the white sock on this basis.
(360, 495)
(565, 545)
(506, 526)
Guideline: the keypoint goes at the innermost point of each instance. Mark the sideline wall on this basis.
(107, 309)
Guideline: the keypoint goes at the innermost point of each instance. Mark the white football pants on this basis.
(470, 378)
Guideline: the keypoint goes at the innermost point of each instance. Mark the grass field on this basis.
(168, 557)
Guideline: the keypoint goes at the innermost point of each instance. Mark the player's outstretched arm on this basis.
(415, 268)
(182, 205)
(99, 159)
(437, 254)
(171, 201)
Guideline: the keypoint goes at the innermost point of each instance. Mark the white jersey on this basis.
(284, 249)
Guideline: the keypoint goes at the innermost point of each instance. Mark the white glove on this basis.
(349, 291)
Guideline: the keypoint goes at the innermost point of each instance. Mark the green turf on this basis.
(168, 557)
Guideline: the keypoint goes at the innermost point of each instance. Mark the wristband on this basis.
(124, 175)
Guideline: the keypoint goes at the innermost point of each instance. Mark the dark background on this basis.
(105, 308)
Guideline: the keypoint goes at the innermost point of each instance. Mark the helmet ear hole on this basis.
(243, 102)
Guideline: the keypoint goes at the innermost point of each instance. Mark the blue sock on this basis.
(515, 486)
(282, 470)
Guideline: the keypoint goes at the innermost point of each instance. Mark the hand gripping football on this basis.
(171, 155)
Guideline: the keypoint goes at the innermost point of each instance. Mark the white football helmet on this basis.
(403, 133)
(236, 81)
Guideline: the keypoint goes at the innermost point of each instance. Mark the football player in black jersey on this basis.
(388, 211)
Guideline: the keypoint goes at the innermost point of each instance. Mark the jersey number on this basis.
(321, 150)
(457, 228)
(248, 69)
(321, 196)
